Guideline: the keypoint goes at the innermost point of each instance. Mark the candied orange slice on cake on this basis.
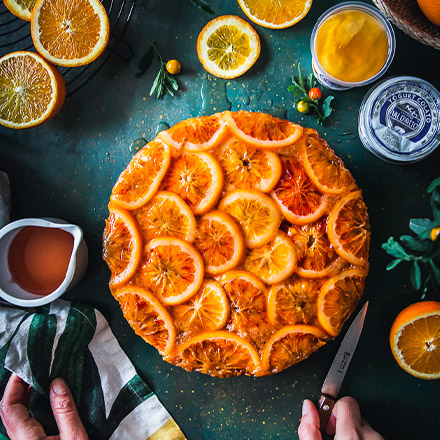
(221, 242)
(349, 229)
(197, 178)
(122, 245)
(338, 298)
(171, 269)
(291, 345)
(207, 310)
(256, 212)
(263, 130)
(297, 197)
(166, 214)
(148, 317)
(196, 134)
(273, 262)
(245, 167)
(140, 180)
(220, 354)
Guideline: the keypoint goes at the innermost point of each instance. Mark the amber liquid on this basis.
(38, 258)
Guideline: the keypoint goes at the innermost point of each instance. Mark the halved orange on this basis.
(21, 8)
(297, 197)
(316, 256)
(70, 33)
(148, 317)
(256, 212)
(349, 229)
(273, 262)
(197, 178)
(326, 170)
(171, 269)
(415, 339)
(196, 134)
(138, 183)
(221, 242)
(263, 130)
(290, 345)
(338, 298)
(220, 354)
(122, 245)
(245, 167)
(207, 310)
(293, 302)
(166, 214)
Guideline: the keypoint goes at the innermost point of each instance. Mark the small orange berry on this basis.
(435, 232)
(173, 67)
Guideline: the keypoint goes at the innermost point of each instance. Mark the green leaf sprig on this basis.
(204, 6)
(301, 89)
(421, 249)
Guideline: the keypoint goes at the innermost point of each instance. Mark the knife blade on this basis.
(332, 383)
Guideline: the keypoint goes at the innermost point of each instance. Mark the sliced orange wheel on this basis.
(297, 197)
(166, 214)
(290, 345)
(338, 298)
(245, 167)
(326, 170)
(273, 262)
(122, 246)
(316, 256)
(197, 178)
(263, 130)
(221, 242)
(220, 354)
(349, 229)
(196, 134)
(21, 8)
(138, 183)
(207, 310)
(256, 212)
(148, 317)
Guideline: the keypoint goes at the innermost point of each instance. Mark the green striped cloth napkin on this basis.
(74, 341)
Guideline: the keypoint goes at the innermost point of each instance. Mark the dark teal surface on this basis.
(67, 167)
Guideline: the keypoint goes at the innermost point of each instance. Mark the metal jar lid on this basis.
(399, 119)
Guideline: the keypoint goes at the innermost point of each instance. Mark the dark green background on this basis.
(67, 167)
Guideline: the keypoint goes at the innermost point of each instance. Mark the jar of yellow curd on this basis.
(352, 45)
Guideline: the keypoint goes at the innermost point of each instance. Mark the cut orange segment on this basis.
(148, 317)
(122, 246)
(228, 46)
(291, 345)
(338, 298)
(138, 183)
(207, 310)
(256, 212)
(172, 269)
(263, 130)
(197, 178)
(196, 134)
(316, 256)
(415, 339)
(31, 90)
(70, 33)
(21, 8)
(349, 229)
(298, 198)
(325, 169)
(293, 302)
(275, 261)
(275, 14)
(245, 167)
(220, 241)
(166, 214)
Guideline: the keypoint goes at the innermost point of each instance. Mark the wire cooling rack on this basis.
(15, 34)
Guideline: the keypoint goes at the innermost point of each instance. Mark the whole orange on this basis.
(431, 8)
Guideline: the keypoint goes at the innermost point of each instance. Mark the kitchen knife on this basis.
(335, 375)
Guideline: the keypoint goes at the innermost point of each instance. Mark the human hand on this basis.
(345, 422)
(21, 426)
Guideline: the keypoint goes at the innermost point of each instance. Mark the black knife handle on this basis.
(325, 407)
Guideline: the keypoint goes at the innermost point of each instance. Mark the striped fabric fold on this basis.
(74, 341)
